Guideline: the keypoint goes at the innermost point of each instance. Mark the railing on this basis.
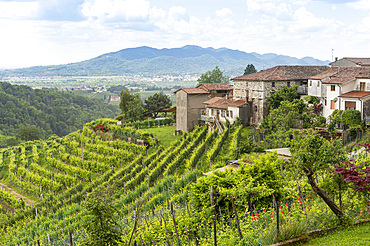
(207, 118)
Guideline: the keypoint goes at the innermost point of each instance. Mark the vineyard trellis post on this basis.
(214, 217)
(236, 218)
(175, 225)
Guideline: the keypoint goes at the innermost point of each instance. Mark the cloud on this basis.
(360, 5)
(224, 12)
(18, 10)
(61, 10)
(116, 10)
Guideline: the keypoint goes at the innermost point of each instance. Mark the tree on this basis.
(214, 76)
(283, 94)
(131, 106)
(155, 103)
(28, 133)
(285, 116)
(250, 69)
(311, 153)
(101, 227)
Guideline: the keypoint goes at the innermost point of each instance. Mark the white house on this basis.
(344, 88)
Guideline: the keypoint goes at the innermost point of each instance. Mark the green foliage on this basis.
(311, 99)
(283, 94)
(312, 153)
(52, 112)
(155, 103)
(251, 184)
(285, 116)
(131, 106)
(102, 227)
(214, 76)
(351, 118)
(249, 69)
(248, 147)
(28, 133)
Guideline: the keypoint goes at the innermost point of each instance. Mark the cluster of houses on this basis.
(345, 85)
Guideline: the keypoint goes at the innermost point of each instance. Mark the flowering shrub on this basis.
(317, 108)
(101, 127)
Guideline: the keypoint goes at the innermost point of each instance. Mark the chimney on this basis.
(336, 58)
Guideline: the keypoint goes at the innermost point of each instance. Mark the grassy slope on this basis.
(163, 133)
(356, 235)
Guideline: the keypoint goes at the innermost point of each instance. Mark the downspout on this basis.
(340, 93)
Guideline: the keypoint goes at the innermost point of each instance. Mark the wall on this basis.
(313, 89)
(194, 107)
(181, 110)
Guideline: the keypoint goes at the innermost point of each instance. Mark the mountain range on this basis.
(190, 59)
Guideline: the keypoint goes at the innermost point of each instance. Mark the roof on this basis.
(215, 86)
(340, 75)
(212, 100)
(357, 60)
(356, 94)
(224, 103)
(194, 91)
(283, 73)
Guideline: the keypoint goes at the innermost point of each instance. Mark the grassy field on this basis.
(355, 235)
(163, 133)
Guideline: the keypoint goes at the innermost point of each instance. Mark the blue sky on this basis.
(45, 32)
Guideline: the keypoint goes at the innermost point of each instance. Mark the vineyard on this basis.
(150, 185)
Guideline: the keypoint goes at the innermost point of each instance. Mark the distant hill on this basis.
(52, 112)
(150, 61)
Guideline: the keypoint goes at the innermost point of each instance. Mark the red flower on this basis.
(293, 196)
(308, 207)
(282, 211)
(245, 231)
(264, 210)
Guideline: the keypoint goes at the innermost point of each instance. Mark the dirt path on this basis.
(25, 199)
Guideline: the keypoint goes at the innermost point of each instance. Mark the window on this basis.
(273, 84)
(318, 83)
(332, 104)
(332, 88)
(325, 102)
(362, 86)
(231, 114)
(310, 82)
(350, 105)
(288, 84)
(227, 113)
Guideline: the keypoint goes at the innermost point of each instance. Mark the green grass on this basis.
(355, 235)
(163, 133)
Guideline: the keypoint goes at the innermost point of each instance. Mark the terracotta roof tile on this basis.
(212, 100)
(356, 94)
(215, 86)
(224, 103)
(340, 75)
(194, 91)
(284, 73)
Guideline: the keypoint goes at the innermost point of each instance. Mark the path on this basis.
(284, 153)
(25, 199)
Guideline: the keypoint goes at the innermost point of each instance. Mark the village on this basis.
(345, 85)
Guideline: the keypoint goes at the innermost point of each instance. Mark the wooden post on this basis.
(187, 234)
(228, 212)
(214, 217)
(70, 238)
(174, 223)
(165, 226)
(236, 218)
(277, 215)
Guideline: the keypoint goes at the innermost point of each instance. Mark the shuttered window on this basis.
(350, 105)
(332, 104)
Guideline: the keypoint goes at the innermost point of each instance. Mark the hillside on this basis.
(52, 112)
(150, 61)
(160, 194)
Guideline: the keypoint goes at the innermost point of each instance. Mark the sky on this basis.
(51, 32)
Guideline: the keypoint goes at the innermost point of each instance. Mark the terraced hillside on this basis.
(58, 174)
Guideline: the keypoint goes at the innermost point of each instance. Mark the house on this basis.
(255, 88)
(344, 88)
(224, 108)
(351, 62)
(190, 103)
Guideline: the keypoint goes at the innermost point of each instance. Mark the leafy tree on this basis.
(283, 94)
(285, 116)
(101, 227)
(311, 154)
(28, 133)
(250, 69)
(214, 76)
(131, 106)
(155, 103)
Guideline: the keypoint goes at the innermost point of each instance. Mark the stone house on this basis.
(255, 88)
(344, 88)
(351, 62)
(190, 103)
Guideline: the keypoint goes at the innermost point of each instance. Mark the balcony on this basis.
(207, 118)
(302, 90)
